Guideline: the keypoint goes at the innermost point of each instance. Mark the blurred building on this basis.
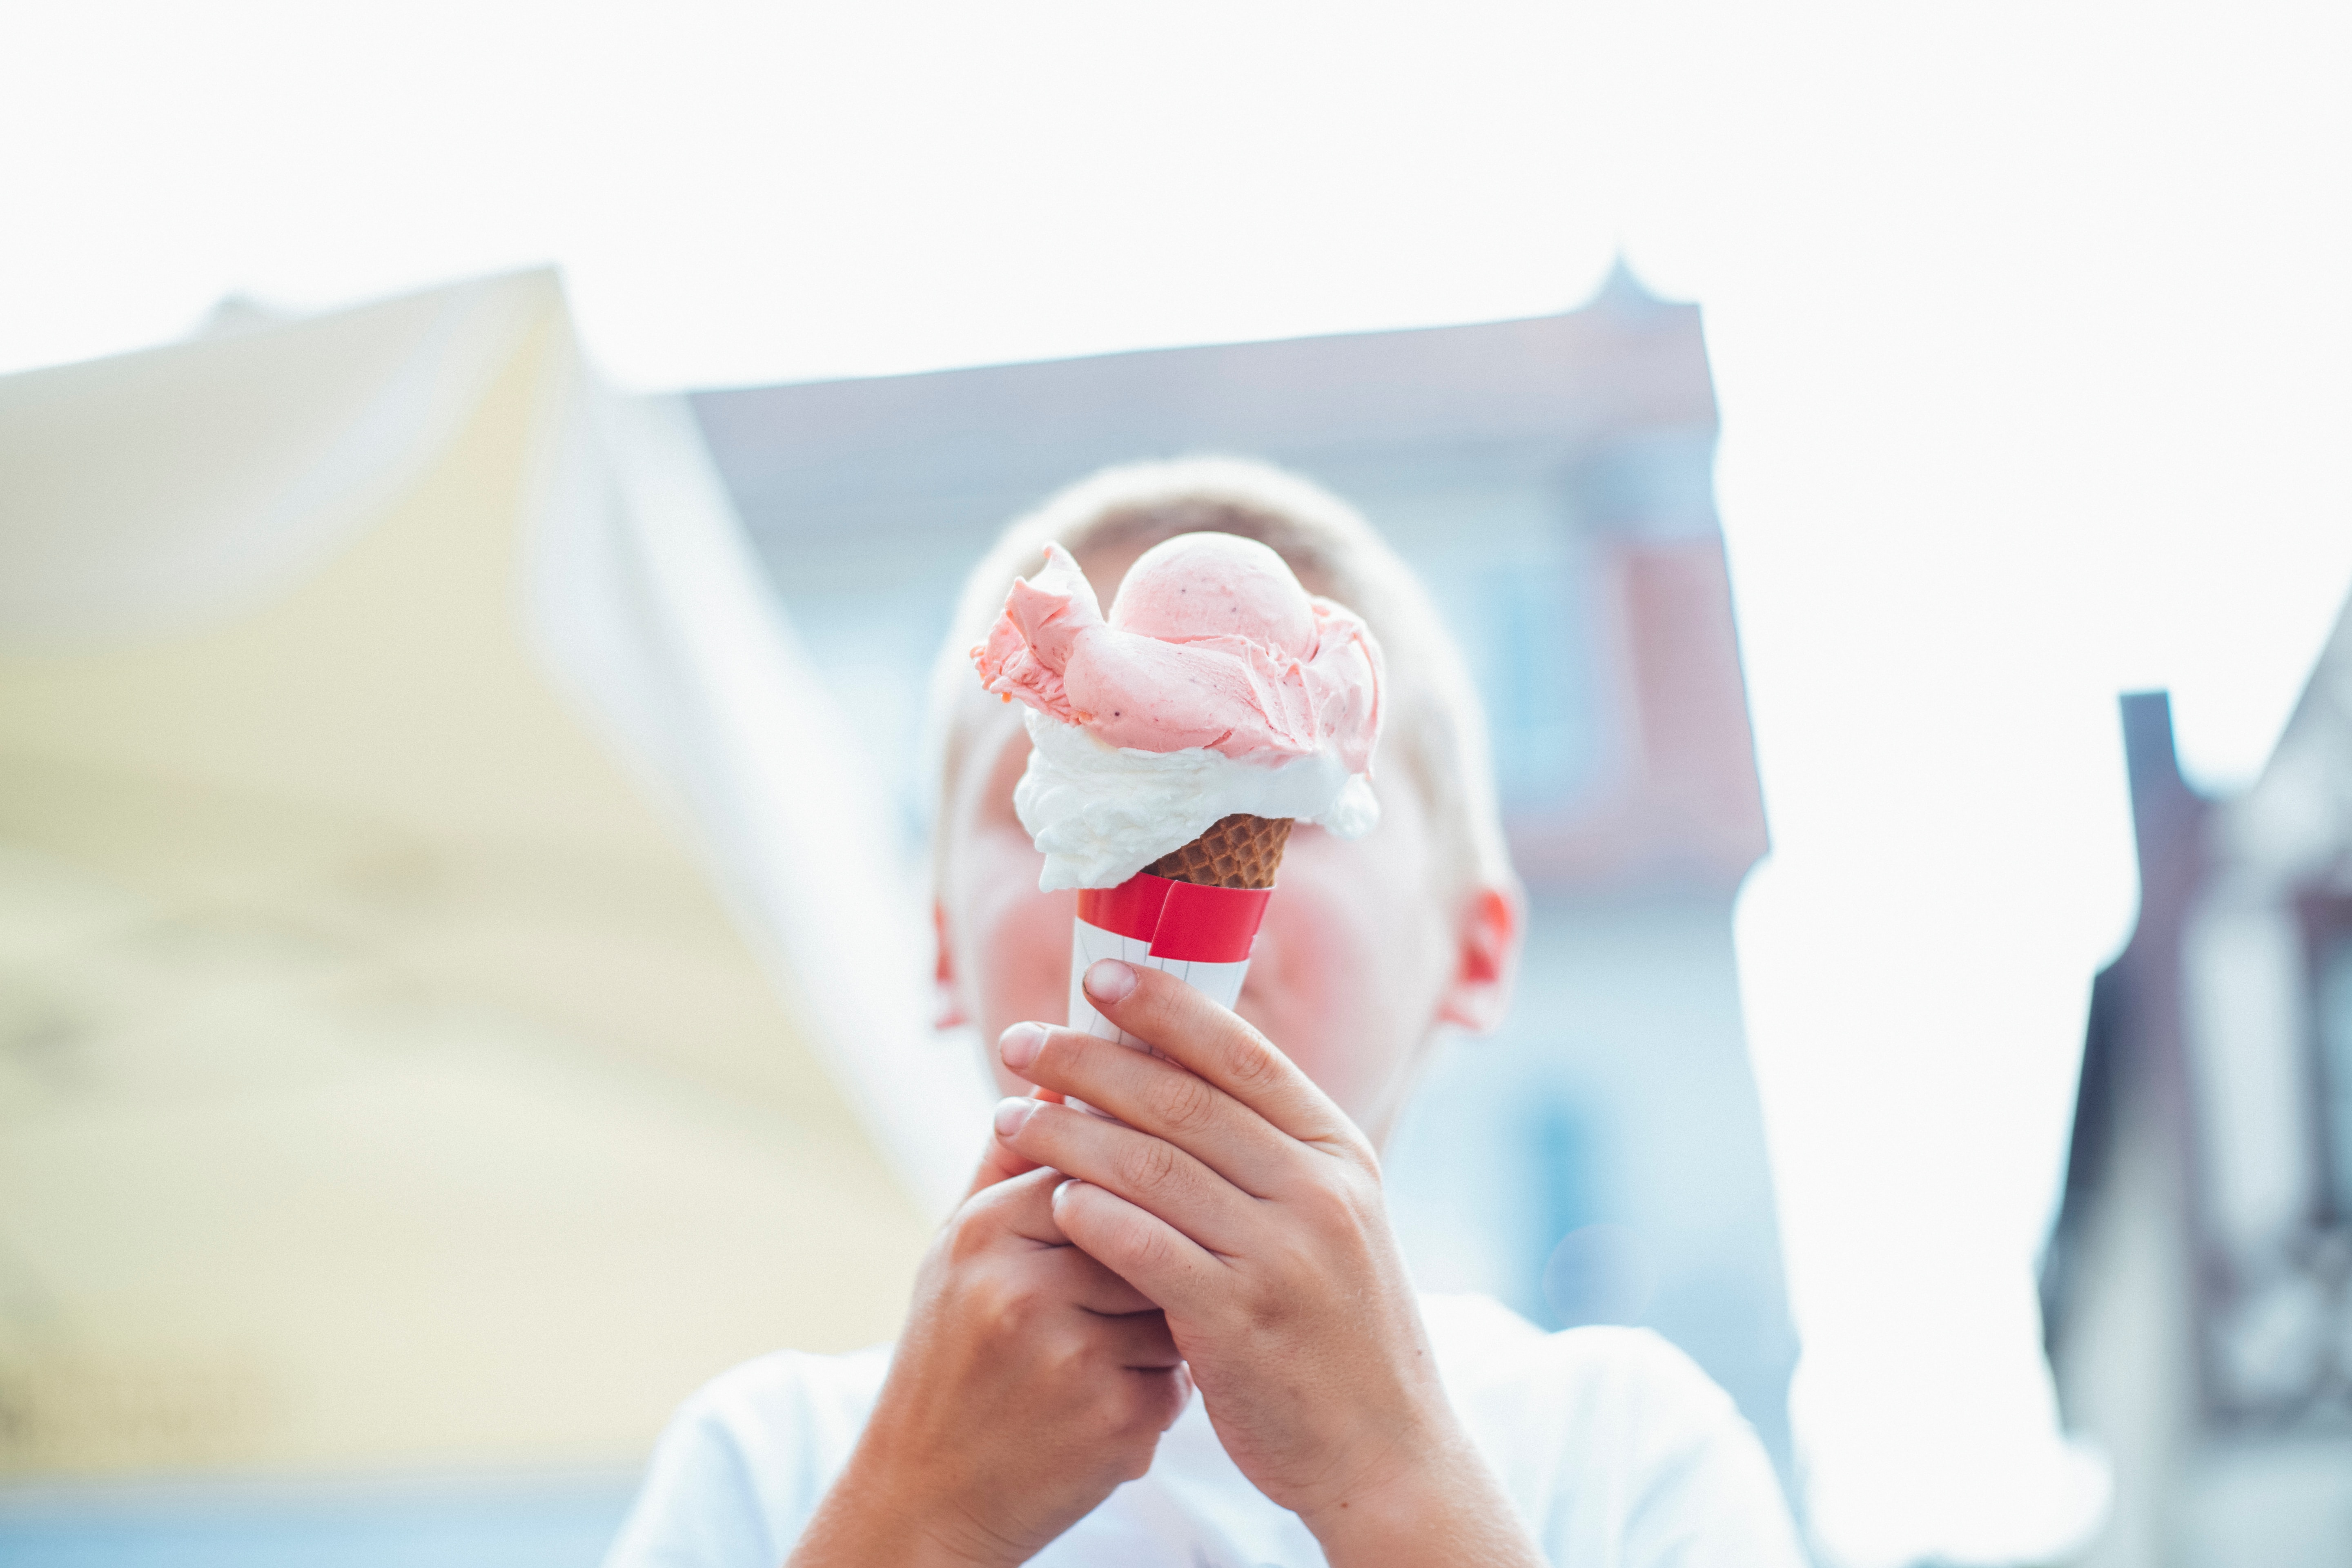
(2199, 1284)
(1551, 480)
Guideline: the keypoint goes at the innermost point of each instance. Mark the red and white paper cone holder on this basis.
(1200, 935)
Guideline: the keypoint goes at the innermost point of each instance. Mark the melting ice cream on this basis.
(1217, 685)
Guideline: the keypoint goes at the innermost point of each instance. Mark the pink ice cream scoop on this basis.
(1210, 643)
(1174, 746)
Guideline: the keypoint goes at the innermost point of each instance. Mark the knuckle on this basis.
(1148, 1164)
(1250, 1063)
(1007, 1303)
(1068, 1356)
(1360, 1180)
(1329, 1196)
(969, 1234)
(1187, 1104)
(1147, 1249)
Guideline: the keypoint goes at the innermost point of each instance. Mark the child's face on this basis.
(1359, 957)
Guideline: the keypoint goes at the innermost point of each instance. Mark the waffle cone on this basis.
(1237, 851)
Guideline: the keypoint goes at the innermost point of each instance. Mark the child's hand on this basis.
(1030, 1382)
(1245, 1203)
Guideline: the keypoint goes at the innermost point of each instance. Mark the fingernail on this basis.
(1019, 1045)
(1111, 980)
(1012, 1115)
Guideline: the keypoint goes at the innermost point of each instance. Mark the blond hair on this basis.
(1436, 727)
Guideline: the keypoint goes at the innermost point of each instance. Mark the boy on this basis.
(1185, 1337)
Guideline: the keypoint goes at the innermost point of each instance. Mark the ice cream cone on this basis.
(1237, 851)
(1218, 690)
(1195, 913)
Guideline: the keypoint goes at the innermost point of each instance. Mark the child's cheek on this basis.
(1313, 984)
(1018, 944)
(1028, 968)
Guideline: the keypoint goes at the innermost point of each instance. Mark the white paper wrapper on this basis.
(1221, 983)
(1147, 912)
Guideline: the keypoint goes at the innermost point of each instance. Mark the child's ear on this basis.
(947, 995)
(1487, 960)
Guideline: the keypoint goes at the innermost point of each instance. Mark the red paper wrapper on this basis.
(1200, 935)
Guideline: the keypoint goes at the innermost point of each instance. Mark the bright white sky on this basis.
(2123, 227)
(2030, 323)
(2130, 224)
(749, 192)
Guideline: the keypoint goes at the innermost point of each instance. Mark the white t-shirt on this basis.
(1619, 1452)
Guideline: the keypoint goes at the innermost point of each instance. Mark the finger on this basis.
(1069, 1274)
(1179, 1394)
(999, 1162)
(1185, 1025)
(1162, 1395)
(1147, 1170)
(1017, 1211)
(1140, 1248)
(1156, 1096)
(1139, 1342)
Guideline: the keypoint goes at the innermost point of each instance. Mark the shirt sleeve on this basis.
(1708, 1496)
(1618, 1450)
(745, 1462)
(698, 1507)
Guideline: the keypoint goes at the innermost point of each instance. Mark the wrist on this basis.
(867, 1518)
(1444, 1506)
